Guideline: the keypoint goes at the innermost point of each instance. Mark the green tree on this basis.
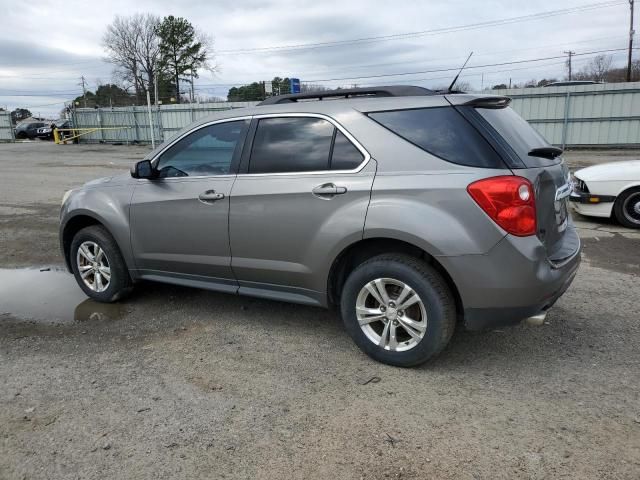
(19, 114)
(255, 92)
(246, 93)
(181, 53)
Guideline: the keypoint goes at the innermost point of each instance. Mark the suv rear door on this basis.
(300, 197)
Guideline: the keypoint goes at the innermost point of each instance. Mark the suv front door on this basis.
(179, 220)
(300, 197)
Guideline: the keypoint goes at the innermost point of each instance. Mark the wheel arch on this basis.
(72, 226)
(358, 252)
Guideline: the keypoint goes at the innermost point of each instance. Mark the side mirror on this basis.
(143, 169)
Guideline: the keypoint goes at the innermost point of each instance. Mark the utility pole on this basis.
(192, 89)
(571, 54)
(84, 90)
(631, 32)
(155, 88)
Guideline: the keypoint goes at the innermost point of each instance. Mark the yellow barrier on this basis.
(83, 131)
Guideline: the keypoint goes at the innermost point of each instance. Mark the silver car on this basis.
(410, 211)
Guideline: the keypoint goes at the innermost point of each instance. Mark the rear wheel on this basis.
(627, 208)
(98, 265)
(398, 310)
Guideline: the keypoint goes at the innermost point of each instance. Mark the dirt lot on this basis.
(180, 383)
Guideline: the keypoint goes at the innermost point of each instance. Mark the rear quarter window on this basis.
(443, 132)
(518, 134)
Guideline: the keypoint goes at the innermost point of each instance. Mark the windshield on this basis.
(518, 134)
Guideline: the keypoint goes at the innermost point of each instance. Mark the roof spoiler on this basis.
(494, 102)
(391, 91)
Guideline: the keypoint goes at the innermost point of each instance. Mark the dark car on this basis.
(28, 129)
(46, 132)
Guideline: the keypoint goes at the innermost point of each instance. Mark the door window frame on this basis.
(248, 146)
(235, 162)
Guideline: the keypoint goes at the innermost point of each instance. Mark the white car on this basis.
(609, 188)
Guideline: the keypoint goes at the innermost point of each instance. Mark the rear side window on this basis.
(345, 154)
(291, 145)
(443, 132)
(301, 144)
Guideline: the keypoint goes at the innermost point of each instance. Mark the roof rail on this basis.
(391, 91)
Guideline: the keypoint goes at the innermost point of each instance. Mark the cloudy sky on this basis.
(46, 46)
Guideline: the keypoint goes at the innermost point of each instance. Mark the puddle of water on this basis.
(50, 297)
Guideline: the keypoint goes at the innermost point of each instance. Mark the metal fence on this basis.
(605, 115)
(6, 129)
(131, 124)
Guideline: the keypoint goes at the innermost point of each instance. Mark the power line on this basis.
(437, 31)
(456, 68)
(204, 87)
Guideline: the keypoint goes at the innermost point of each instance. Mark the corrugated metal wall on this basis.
(6, 129)
(582, 115)
(131, 124)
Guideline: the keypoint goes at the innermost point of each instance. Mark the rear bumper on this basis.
(512, 282)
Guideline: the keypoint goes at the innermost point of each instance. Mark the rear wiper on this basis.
(546, 152)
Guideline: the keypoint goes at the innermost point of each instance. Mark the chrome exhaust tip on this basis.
(536, 320)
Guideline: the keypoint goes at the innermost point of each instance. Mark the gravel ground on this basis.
(182, 383)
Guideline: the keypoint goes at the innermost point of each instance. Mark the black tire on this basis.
(625, 214)
(120, 283)
(432, 290)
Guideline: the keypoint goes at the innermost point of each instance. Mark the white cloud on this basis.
(44, 49)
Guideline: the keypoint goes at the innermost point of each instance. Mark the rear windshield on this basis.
(441, 131)
(520, 136)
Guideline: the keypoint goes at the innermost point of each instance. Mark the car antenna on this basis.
(450, 89)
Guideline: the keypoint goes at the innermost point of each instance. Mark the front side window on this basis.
(207, 151)
(443, 132)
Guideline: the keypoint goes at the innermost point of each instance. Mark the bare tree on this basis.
(132, 46)
(598, 69)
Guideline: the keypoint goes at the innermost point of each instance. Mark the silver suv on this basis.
(409, 210)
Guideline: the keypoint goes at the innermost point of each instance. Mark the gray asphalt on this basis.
(182, 383)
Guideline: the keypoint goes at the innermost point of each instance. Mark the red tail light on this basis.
(509, 201)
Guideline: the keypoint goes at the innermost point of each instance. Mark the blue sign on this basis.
(295, 85)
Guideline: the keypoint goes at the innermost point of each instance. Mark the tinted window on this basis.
(441, 131)
(345, 154)
(207, 151)
(291, 145)
(517, 133)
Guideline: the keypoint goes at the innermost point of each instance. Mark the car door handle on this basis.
(210, 196)
(328, 190)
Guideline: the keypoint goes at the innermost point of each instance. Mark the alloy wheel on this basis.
(391, 314)
(93, 266)
(631, 208)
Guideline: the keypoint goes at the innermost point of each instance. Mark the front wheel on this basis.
(398, 310)
(98, 265)
(627, 208)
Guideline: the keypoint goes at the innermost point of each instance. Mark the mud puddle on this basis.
(49, 296)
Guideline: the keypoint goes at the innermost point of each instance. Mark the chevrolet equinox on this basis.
(410, 211)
